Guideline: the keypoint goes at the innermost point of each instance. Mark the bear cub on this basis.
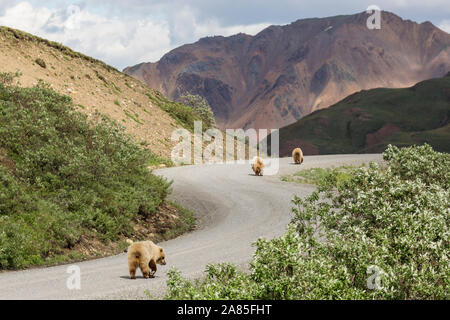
(258, 166)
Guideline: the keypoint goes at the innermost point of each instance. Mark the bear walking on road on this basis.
(297, 155)
(145, 255)
(258, 166)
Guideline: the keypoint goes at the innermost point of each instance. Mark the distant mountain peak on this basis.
(285, 72)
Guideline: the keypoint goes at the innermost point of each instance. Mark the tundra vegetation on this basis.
(396, 219)
(64, 177)
(319, 175)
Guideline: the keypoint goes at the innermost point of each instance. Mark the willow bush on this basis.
(383, 234)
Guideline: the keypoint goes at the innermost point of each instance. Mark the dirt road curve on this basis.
(234, 208)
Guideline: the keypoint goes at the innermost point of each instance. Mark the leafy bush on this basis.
(41, 63)
(383, 234)
(223, 281)
(420, 163)
(194, 108)
(183, 114)
(71, 176)
(7, 78)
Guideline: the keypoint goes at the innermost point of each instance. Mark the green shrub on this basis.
(71, 177)
(101, 77)
(41, 63)
(419, 163)
(195, 109)
(7, 78)
(389, 225)
(223, 281)
(177, 110)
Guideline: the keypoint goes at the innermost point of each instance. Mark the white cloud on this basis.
(120, 42)
(23, 16)
(124, 33)
(213, 28)
(445, 25)
(117, 42)
(185, 27)
(416, 3)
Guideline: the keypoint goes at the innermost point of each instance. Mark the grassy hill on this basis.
(368, 121)
(73, 186)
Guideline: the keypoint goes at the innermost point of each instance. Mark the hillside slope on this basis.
(286, 72)
(71, 188)
(368, 121)
(93, 86)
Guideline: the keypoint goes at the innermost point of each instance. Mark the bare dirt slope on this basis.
(93, 86)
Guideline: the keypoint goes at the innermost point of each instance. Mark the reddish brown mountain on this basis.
(285, 72)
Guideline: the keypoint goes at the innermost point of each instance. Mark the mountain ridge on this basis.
(285, 72)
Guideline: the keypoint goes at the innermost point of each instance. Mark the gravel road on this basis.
(234, 208)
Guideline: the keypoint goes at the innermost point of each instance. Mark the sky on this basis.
(127, 32)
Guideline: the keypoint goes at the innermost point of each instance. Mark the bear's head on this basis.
(161, 257)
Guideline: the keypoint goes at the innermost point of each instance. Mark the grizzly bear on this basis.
(297, 154)
(145, 255)
(258, 166)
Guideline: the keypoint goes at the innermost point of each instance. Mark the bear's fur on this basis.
(145, 255)
(297, 155)
(258, 166)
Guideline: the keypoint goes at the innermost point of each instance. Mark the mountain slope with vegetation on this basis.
(367, 121)
(73, 186)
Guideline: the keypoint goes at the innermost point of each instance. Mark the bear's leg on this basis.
(145, 270)
(132, 269)
(152, 265)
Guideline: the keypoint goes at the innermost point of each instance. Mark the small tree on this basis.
(201, 108)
